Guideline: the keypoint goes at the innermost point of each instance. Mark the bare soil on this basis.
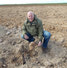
(14, 51)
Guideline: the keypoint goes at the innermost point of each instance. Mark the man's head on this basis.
(30, 16)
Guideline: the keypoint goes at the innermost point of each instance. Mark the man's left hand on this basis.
(40, 43)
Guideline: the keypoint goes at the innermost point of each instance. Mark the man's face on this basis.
(30, 17)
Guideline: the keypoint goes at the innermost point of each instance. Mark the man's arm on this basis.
(40, 30)
(24, 31)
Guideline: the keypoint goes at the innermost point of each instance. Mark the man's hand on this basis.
(40, 43)
(26, 37)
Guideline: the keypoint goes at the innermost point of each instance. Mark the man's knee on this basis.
(30, 38)
(47, 34)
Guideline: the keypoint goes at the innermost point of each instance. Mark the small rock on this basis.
(47, 63)
(50, 66)
(60, 40)
(63, 45)
(13, 43)
(2, 63)
(8, 33)
(37, 62)
(4, 66)
(19, 41)
(42, 67)
(14, 59)
(1, 40)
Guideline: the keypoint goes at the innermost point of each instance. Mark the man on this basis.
(33, 27)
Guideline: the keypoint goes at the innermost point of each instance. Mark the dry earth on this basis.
(14, 51)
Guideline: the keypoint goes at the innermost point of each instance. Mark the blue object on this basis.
(46, 36)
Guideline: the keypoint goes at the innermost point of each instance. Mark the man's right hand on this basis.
(26, 37)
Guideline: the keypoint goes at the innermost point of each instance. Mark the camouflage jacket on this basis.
(35, 28)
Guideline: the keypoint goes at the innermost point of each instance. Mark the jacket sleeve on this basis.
(40, 30)
(24, 31)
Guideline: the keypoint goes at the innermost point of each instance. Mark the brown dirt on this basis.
(54, 17)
